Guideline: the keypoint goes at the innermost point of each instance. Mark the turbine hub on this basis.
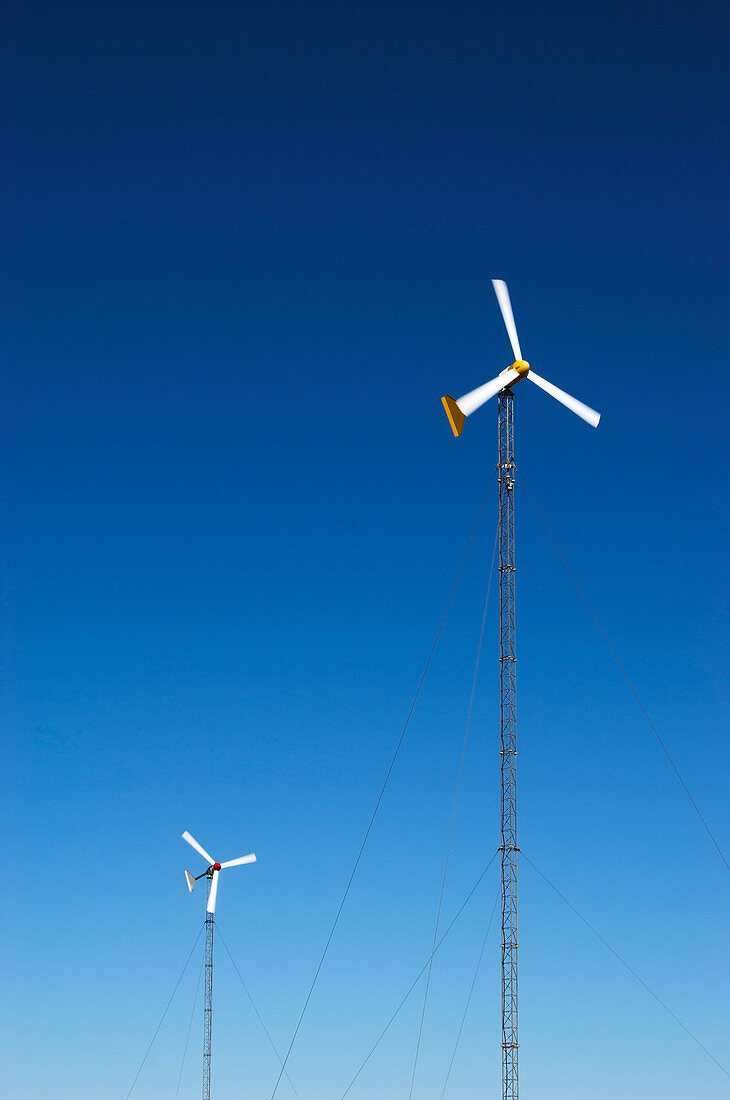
(216, 866)
(521, 367)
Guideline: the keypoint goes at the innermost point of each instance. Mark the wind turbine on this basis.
(457, 412)
(211, 873)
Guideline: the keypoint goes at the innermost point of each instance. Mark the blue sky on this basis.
(248, 250)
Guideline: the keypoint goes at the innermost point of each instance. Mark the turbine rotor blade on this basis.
(198, 848)
(583, 411)
(500, 289)
(241, 859)
(473, 400)
(213, 892)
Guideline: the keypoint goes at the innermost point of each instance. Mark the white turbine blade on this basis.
(241, 859)
(476, 398)
(213, 892)
(500, 289)
(581, 410)
(194, 844)
(190, 881)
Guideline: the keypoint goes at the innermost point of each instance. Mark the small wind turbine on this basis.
(457, 411)
(211, 873)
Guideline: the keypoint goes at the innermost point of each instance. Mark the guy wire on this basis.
(453, 814)
(382, 791)
(633, 690)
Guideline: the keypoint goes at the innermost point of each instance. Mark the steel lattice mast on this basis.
(208, 995)
(506, 472)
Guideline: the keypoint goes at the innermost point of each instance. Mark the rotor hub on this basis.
(521, 366)
(216, 867)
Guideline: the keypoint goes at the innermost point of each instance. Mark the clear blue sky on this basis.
(249, 247)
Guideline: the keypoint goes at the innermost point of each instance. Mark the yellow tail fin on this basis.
(454, 413)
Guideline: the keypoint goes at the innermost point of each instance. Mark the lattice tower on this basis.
(506, 473)
(208, 997)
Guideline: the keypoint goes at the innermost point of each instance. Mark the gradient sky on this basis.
(249, 247)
